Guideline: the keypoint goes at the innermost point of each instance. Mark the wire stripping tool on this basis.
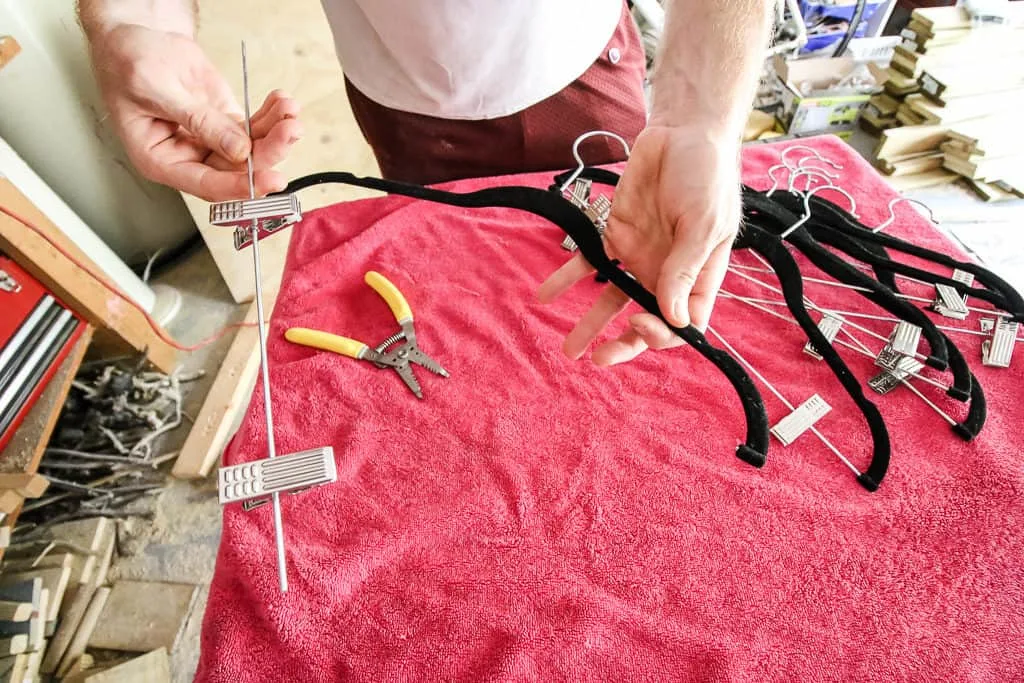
(399, 359)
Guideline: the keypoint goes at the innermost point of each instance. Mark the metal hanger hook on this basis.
(800, 166)
(807, 206)
(579, 160)
(775, 182)
(809, 172)
(815, 152)
(892, 212)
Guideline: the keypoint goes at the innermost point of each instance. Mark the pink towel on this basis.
(536, 518)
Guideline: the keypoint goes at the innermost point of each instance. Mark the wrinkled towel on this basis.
(538, 518)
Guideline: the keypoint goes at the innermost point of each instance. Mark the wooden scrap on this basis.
(152, 667)
(10, 501)
(26, 485)
(81, 597)
(918, 163)
(228, 397)
(990, 192)
(922, 180)
(85, 629)
(144, 615)
(909, 139)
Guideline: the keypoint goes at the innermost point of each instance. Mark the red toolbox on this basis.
(36, 333)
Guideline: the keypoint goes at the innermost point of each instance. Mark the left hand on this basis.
(674, 216)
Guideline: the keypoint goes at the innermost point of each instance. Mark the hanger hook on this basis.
(807, 206)
(800, 165)
(775, 182)
(576, 153)
(809, 172)
(815, 152)
(892, 212)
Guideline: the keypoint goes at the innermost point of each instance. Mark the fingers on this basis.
(214, 185)
(654, 332)
(628, 346)
(690, 251)
(562, 280)
(277, 107)
(705, 292)
(609, 304)
(216, 129)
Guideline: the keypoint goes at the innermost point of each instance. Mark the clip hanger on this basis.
(892, 212)
(579, 161)
(998, 351)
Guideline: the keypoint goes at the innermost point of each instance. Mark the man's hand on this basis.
(675, 214)
(180, 124)
(677, 206)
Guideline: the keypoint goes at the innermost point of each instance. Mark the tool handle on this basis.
(399, 306)
(326, 341)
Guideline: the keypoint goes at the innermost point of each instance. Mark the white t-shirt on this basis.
(467, 59)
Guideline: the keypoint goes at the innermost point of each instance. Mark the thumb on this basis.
(217, 129)
(690, 251)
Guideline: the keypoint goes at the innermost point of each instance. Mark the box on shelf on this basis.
(825, 94)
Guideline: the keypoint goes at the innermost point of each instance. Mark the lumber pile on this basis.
(952, 104)
(51, 593)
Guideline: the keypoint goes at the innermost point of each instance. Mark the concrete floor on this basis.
(180, 543)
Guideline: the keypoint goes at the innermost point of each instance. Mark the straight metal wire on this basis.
(271, 448)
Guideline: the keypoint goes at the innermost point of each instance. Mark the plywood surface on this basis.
(289, 47)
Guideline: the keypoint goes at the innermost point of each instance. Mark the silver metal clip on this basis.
(263, 478)
(997, 351)
(271, 213)
(890, 378)
(829, 326)
(8, 283)
(987, 324)
(801, 419)
(597, 211)
(904, 339)
(949, 302)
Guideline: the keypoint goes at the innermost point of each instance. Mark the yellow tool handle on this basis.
(326, 341)
(399, 306)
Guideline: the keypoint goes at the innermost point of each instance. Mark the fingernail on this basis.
(679, 310)
(235, 145)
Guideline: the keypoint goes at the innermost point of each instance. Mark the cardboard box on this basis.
(823, 108)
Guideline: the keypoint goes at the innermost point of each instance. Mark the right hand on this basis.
(179, 121)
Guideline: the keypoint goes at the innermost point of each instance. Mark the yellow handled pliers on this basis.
(398, 358)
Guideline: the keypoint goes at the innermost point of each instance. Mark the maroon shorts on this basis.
(426, 150)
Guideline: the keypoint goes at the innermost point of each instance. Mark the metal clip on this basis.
(263, 478)
(997, 351)
(904, 339)
(8, 283)
(829, 326)
(800, 420)
(987, 324)
(949, 302)
(890, 378)
(270, 213)
(597, 211)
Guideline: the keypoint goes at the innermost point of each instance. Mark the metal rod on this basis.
(271, 448)
(782, 398)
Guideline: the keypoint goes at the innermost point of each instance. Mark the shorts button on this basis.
(614, 55)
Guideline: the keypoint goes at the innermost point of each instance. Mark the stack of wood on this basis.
(57, 602)
(51, 594)
(950, 103)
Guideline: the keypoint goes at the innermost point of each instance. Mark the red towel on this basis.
(536, 518)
